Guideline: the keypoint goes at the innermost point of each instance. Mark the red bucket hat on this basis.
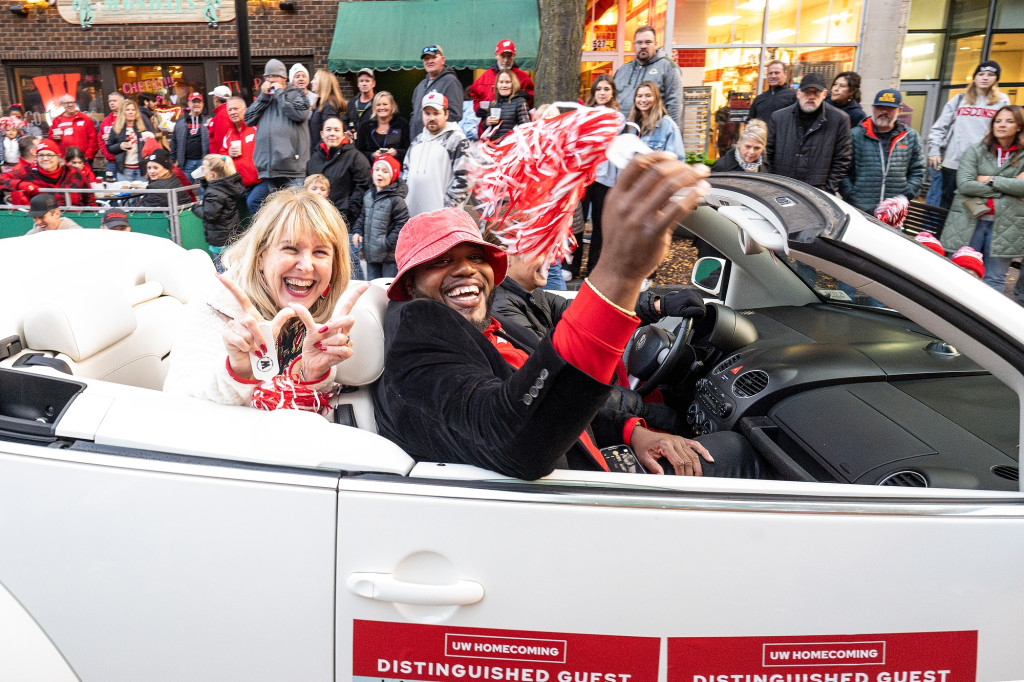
(429, 235)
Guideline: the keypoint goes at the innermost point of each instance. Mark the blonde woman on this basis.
(748, 152)
(330, 102)
(126, 140)
(650, 120)
(385, 132)
(289, 269)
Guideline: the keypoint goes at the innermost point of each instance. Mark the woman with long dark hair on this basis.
(603, 93)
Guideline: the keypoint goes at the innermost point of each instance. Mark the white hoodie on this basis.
(434, 170)
(959, 126)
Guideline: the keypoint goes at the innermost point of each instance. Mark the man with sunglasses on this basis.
(74, 129)
(440, 78)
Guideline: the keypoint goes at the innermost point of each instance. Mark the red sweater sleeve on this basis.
(592, 334)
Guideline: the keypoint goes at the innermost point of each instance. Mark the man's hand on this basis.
(681, 303)
(357, 240)
(683, 454)
(640, 215)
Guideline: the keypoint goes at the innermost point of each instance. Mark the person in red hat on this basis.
(384, 215)
(460, 387)
(482, 89)
(48, 170)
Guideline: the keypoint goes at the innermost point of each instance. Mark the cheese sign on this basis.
(892, 657)
(410, 651)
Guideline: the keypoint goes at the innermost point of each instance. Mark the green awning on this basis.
(390, 34)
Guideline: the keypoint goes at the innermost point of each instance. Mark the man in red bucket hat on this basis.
(458, 387)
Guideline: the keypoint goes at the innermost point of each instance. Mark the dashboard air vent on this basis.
(727, 363)
(1007, 471)
(750, 383)
(905, 479)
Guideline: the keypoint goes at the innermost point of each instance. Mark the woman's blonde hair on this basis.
(971, 94)
(220, 164)
(391, 98)
(120, 122)
(329, 90)
(755, 130)
(650, 119)
(284, 214)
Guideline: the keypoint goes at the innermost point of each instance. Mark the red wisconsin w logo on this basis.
(52, 87)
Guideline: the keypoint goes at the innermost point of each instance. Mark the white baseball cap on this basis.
(436, 100)
(221, 91)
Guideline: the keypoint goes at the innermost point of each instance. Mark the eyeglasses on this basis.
(65, 104)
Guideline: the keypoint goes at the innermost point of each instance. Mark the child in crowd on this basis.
(13, 128)
(318, 184)
(219, 209)
(965, 257)
(75, 158)
(383, 217)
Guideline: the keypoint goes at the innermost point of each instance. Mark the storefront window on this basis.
(39, 88)
(588, 72)
(921, 53)
(968, 15)
(602, 23)
(965, 55)
(1008, 50)
(160, 79)
(1009, 14)
(644, 13)
(928, 15)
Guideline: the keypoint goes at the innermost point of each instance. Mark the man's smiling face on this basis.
(461, 278)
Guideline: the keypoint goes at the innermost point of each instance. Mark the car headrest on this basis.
(181, 273)
(367, 361)
(81, 321)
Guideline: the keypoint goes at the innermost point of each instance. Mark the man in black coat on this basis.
(458, 387)
(779, 94)
(810, 140)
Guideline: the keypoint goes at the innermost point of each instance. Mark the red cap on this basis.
(391, 163)
(431, 234)
(966, 257)
(505, 46)
(47, 145)
(928, 240)
(195, 96)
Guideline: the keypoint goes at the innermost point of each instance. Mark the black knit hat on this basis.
(989, 66)
(163, 157)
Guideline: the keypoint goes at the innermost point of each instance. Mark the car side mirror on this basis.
(707, 274)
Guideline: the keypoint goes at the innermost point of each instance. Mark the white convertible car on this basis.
(146, 537)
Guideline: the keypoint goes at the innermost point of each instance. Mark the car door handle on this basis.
(385, 587)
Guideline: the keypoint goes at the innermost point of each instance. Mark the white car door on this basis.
(718, 581)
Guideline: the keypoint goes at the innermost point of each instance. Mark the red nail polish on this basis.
(257, 352)
(320, 346)
(324, 328)
(263, 347)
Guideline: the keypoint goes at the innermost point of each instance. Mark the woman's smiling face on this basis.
(297, 268)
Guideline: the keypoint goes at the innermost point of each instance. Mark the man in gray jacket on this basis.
(650, 64)
(280, 114)
(440, 78)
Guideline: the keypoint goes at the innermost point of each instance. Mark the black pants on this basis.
(595, 195)
(948, 187)
(734, 457)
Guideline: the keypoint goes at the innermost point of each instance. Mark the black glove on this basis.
(682, 303)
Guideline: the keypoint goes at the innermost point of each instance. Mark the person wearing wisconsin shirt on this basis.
(190, 141)
(48, 171)
(512, 403)
(74, 129)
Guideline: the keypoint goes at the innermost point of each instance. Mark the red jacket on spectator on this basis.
(78, 131)
(28, 179)
(18, 197)
(244, 163)
(219, 125)
(105, 126)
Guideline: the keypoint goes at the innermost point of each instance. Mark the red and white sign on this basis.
(404, 651)
(893, 657)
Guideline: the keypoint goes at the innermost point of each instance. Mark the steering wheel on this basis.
(653, 353)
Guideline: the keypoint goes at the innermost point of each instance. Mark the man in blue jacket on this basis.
(887, 156)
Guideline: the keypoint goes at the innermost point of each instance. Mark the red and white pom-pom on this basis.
(11, 122)
(528, 184)
(284, 393)
(893, 211)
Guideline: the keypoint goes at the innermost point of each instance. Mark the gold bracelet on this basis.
(631, 313)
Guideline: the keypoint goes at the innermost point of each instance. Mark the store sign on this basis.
(149, 85)
(83, 12)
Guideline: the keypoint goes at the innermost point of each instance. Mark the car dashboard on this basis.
(840, 394)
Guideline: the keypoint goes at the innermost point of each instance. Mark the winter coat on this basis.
(27, 180)
(771, 100)
(219, 209)
(851, 108)
(959, 126)
(383, 217)
(665, 138)
(728, 163)
(155, 200)
(316, 123)
(820, 158)
(77, 131)
(514, 111)
(877, 173)
(217, 127)
(482, 89)
(659, 69)
(281, 148)
(368, 141)
(179, 138)
(447, 83)
(435, 170)
(115, 139)
(349, 174)
(1007, 194)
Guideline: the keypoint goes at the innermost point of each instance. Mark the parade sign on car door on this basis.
(403, 651)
